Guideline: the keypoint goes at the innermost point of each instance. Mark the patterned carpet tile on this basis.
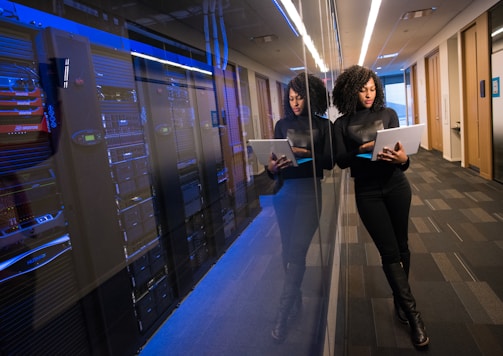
(456, 241)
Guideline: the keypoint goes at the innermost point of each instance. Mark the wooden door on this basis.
(281, 88)
(433, 102)
(471, 123)
(264, 107)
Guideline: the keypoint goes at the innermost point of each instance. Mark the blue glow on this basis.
(286, 18)
(28, 15)
(37, 261)
(139, 49)
(224, 39)
(43, 20)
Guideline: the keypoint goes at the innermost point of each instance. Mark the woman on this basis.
(382, 191)
(296, 203)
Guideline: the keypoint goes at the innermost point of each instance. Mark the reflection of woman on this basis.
(295, 204)
(382, 191)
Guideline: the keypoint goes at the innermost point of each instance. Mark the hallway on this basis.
(456, 242)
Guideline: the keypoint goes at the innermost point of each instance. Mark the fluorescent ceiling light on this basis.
(391, 55)
(301, 28)
(297, 68)
(292, 27)
(164, 61)
(497, 32)
(374, 11)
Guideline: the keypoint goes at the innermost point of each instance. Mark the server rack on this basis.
(115, 189)
(128, 156)
(39, 309)
(218, 199)
(186, 153)
(244, 199)
(90, 193)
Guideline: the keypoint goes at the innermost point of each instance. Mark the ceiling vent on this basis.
(264, 39)
(418, 13)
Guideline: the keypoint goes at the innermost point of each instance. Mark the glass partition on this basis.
(136, 217)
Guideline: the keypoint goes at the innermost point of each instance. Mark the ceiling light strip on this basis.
(163, 61)
(497, 32)
(374, 11)
(386, 56)
(292, 27)
(299, 24)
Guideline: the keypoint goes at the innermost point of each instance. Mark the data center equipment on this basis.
(122, 180)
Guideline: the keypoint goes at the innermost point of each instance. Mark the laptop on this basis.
(262, 148)
(408, 136)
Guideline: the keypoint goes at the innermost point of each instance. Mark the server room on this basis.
(137, 216)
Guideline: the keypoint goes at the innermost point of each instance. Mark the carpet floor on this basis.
(456, 241)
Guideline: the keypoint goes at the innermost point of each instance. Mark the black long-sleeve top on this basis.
(297, 130)
(351, 131)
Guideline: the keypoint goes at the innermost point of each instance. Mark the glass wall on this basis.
(127, 178)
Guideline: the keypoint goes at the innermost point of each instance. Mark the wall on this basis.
(422, 108)
(440, 41)
(453, 102)
(450, 101)
(497, 67)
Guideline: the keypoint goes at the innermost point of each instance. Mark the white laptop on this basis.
(408, 136)
(262, 148)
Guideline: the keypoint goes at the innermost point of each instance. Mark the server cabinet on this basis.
(128, 156)
(117, 190)
(40, 311)
(190, 175)
(103, 157)
(218, 201)
(244, 200)
(89, 193)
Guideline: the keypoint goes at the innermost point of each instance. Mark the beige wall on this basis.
(451, 92)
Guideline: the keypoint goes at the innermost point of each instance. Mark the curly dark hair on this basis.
(317, 94)
(348, 85)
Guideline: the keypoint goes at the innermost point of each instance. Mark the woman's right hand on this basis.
(276, 164)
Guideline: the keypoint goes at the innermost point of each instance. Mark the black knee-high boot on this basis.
(398, 282)
(400, 314)
(297, 304)
(291, 291)
(296, 307)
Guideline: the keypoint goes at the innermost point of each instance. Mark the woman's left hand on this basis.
(301, 152)
(396, 155)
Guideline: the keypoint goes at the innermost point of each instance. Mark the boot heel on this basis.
(291, 291)
(278, 333)
(418, 331)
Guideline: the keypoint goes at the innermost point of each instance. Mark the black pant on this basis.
(384, 205)
(296, 207)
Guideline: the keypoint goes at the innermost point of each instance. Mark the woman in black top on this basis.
(297, 203)
(382, 191)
